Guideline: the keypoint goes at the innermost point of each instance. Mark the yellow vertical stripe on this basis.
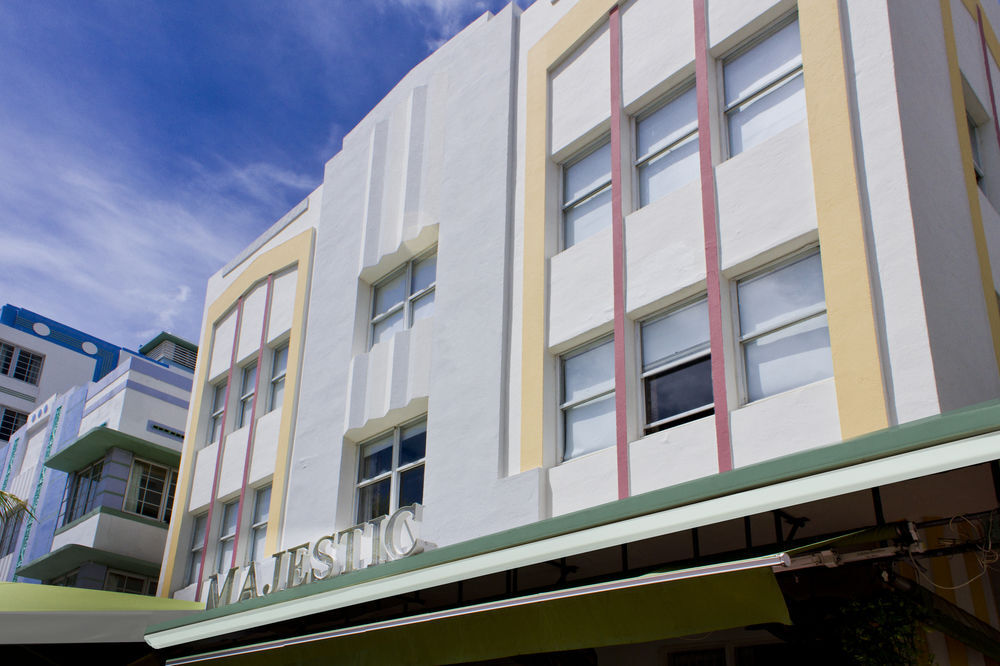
(854, 337)
(295, 251)
(558, 42)
(971, 188)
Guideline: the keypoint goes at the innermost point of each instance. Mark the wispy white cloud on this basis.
(443, 19)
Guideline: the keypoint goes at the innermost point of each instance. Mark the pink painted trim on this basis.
(710, 221)
(218, 455)
(618, 256)
(253, 417)
(989, 75)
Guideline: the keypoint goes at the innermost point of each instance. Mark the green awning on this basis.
(32, 614)
(71, 556)
(94, 444)
(624, 611)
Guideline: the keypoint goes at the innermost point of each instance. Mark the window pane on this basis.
(668, 172)
(784, 295)
(169, 503)
(788, 358)
(229, 519)
(373, 500)
(277, 393)
(764, 63)
(589, 373)
(257, 541)
(225, 555)
(262, 505)
(249, 379)
(198, 537)
(412, 444)
(587, 174)
(6, 356)
(667, 125)
(679, 390)
(763, 117)
(387, 327)
(423, 307)
(280, 363)
(375, 459)
(390, 293)
(589, 427)
(217, 398)
(27, 367)
(424, 272)
(411, 486)
(680, 331)
(587, 218)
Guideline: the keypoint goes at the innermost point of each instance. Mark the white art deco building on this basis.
(614, 324)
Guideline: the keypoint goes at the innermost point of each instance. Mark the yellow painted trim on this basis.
(854, 341)
(578, 23)
(971, 188)
(297, 251)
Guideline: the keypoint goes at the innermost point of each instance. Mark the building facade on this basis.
(613, 324)
(97, 467)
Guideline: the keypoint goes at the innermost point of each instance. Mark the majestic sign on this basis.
(380, 540)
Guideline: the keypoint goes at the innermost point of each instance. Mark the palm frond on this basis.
(11, 505)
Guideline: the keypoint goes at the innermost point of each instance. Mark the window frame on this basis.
(248, 395)
(565, 406)
(10, 528)
(677, 360)
(167, 497)
(11, 360)
(773, 83)
(70, 508)
(216, 411)
(15, 422)
(277, 378)
(974, 142)
(226, 537)
(197, 546)
(564, 205)
(148, 583)
(640, 161)
(785, 323)
(258, 524)
(406, 304)
(395, 471)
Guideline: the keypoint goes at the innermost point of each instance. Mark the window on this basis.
(279, 366)
(977, 163)
(666, 146)
(258, 530)
(118, 581)
(588, 399)
(783, 328)
(677, 367)
(404, 297)
(197, 547)
(227, 537)
(391, 471)
(587, 195)
(218, 407)
(20, 363)
(67, 580)
(151, 490)
(82, 491)
(764, 89)
(248, 387)
(10, 421)
(9, 531)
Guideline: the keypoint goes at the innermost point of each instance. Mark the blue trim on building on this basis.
(138, 388)
(24, 320)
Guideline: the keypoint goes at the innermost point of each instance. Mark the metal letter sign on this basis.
(380, 540)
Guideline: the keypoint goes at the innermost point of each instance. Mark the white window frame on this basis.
(226, 537)
(10, 357)
(787, 322)
(646, 158)
(258, 524)
(217, 410)
(776, 81)
(684, 357)
(566, 406)
(406, 305)
(581, 199)
(169, 490)
(197, 547)
(395, 471)
(248, 394)
(277, 376)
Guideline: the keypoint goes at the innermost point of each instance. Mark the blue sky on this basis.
(143, 144)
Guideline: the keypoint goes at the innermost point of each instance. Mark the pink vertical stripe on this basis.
(618, 259)
(989, 74)
(710, 221)
(253, 417)
(218, 455)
